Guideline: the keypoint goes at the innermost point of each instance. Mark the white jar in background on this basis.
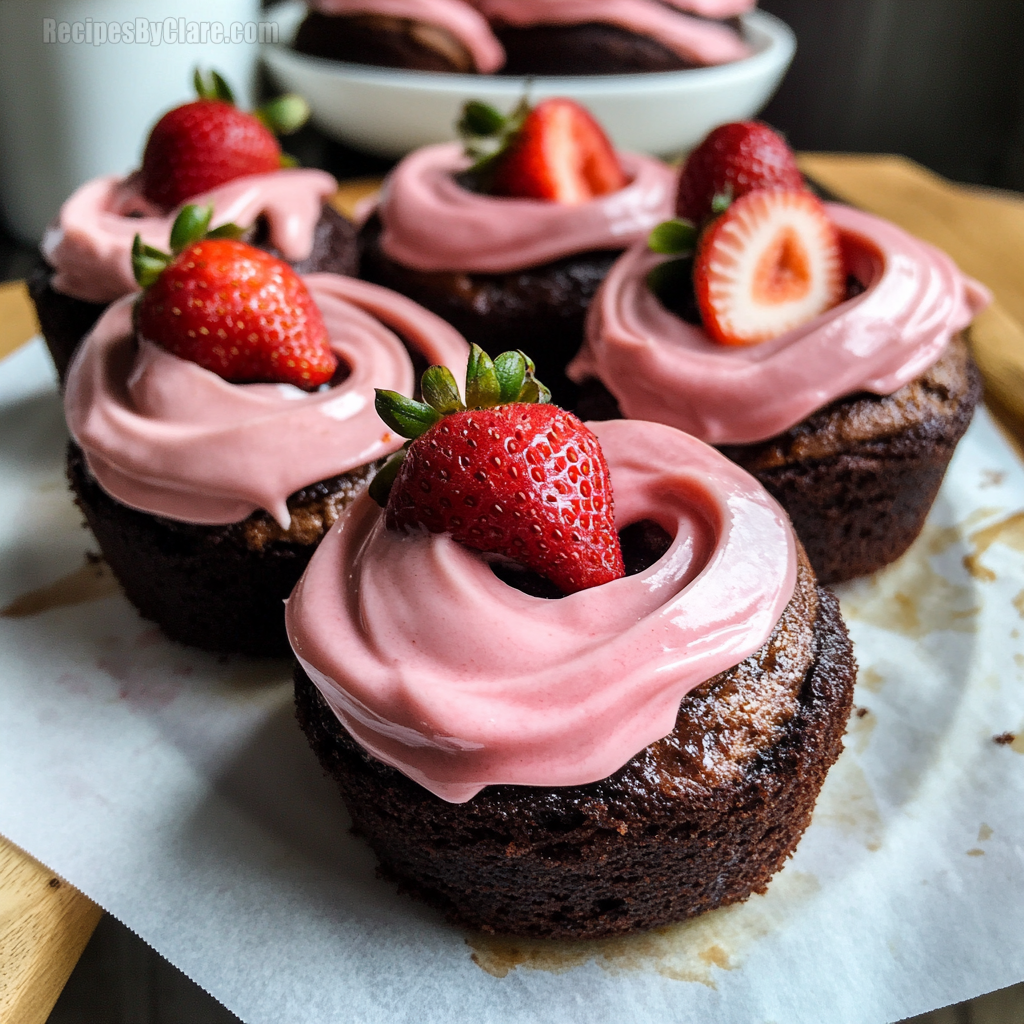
(82, 82)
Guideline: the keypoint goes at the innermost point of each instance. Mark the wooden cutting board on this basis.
(45, 923)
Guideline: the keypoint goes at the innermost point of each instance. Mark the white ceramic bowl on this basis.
(389, 112)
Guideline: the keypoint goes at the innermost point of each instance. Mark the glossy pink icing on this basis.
(661, 368)
(164, 435)
(455, 16)
(433, 223)
(440, 669)
(89, 244)
(696, 40)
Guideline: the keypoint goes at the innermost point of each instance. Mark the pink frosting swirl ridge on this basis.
(460, 681)
(693, 39)
(432, 223)
(166, 436)
(457, 17)
(89, 244)
(659, 367)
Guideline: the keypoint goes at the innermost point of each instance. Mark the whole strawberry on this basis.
(233, 309)
(733, 160)
(206, 143)
(510, 474)
(554, 151)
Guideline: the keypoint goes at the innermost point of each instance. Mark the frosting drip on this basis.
(457, 17)
(662, 368)
(460, 681)
(89, 245)
(692, 38)
(432, 223)
(166, 436)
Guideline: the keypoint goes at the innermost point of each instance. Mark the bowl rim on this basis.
(777, 50)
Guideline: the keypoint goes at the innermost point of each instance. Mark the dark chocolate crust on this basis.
(540, 310)
(382, 41)
(587, 49)
(859, 476)
(65, 320)
(695, 821)
(220, 588)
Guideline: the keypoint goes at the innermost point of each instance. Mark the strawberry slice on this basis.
(733, 160)
(233, 309)
(559, 154)
(770, 263)
(511, 474)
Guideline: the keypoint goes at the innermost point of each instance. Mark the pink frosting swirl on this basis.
(695, 40)
(432, 223)
(164, 435)
(460, 681)
(89, 245)
(457, 17)
(661, 368)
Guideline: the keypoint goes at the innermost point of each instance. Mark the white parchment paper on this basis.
(175, 789)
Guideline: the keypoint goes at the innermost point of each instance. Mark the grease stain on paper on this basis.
(90, 582)
(871, 679)
(847, 803)
(1008, 531)
(859, 729)
(693, 951)
(985, 832)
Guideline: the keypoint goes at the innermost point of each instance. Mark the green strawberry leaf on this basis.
(480, 119)
(190, 226)
(673, 238)
(404, 415)
(212, 88)
(482, 388)
(285, 114)
(147, 263)
(510, 369)
(381, 484)
(440, 391)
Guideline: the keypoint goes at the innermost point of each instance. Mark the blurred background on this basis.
(940, 81)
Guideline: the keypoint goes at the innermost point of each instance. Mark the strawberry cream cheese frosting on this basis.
(457, 17)
(460, 681)
(167, 436)
(89, 245)
(659, 367)
(493, 234)
(692, 38)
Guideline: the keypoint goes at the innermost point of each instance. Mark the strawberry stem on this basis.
(190, 226)
(486, 133)
(212, 88)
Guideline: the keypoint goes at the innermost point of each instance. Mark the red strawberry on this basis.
(559, 153)
(203, 144)
(231, 308)
(770, 263)
(523, 480)
(733, 160)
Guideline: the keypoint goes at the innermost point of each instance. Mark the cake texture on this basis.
(220, 588)
(539, 309)
(64, 320)
(695, 821)
(859, 476)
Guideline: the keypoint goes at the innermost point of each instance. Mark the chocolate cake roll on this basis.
(698, 820)
(65, 320)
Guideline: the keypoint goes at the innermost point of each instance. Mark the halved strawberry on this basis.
(556, 152)
(511, 474)
(733, 160)
(771, 262)
(233, 309)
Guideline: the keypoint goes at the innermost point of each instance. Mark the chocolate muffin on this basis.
(695, 821)
(588, 49)
(65, 320)
(382, 41)
(859, 476)
(540, 310)
(219, 588)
